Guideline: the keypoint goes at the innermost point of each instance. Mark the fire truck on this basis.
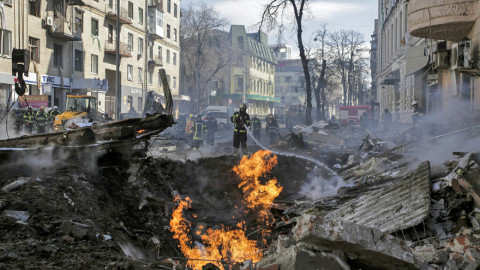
(351, 114)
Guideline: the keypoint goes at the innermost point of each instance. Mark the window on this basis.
(110, 34)
(7, 2)
(150, 77)
(130, 10)
(140, 75)
(140, 103)
(140, 45)
(78, 60)
(159, 78)
(175, 10)
(130, 72)
(129, 101)
(168, 30)
(169, 6)
(57, 55)
(95, 27)
(34, 49)
(78, 20)
(174, 58)
(34, 8)
(94, 64)
(174, 82)
(160, 51)
(6, 42)
(168, 56)
(140, 16)
(130, 42)
(174, 34)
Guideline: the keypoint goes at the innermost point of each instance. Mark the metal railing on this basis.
(111, 10)
(124, 48)
(156, 60)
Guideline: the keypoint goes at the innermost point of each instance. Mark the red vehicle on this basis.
(351, 114)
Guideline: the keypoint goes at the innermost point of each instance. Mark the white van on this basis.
(221, 113)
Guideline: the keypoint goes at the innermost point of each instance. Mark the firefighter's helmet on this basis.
(243, 106)
(414, 103)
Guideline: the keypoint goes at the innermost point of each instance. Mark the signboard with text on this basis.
(33, 100)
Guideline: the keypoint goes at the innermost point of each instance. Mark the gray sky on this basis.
(337, 14)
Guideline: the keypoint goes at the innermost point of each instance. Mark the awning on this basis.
(250, 97)
(416, 58)
(95, 84)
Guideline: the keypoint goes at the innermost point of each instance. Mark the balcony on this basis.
(155, 61)
(155, 23)
(111, 49)
(60, 28)
(111, 11)
(443, 20)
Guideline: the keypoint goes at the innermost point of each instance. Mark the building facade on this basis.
(402, 64)
(454, 28)
(73, 49)
(289, 78)
(251, 78)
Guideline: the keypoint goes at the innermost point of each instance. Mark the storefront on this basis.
(54, 87)
(95, 87)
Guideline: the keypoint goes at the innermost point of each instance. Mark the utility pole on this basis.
(118, 86)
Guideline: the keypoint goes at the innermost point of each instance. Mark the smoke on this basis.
(317, 187)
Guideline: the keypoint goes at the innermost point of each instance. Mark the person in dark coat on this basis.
(212, 126)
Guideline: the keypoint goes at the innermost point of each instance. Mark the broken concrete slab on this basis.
(371, 247)
(295, 258)
(404, 204)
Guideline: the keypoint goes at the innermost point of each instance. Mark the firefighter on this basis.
(51, 116)
(241, 121)
(198, 130)
(41, 118)
(212, 126)
(189, 128)
(418, 114)
(256, 127)
(29, 119)
(272, 130)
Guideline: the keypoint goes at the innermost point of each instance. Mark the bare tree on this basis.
(204, 52)
(345, 46)
(274, 13)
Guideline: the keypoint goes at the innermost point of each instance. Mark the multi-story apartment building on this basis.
(251, 79)
(401, 62)
(454, 28)
(289, 78)
(73, 48)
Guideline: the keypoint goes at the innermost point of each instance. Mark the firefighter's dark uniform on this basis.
(41, 119)
(241, 121)
(51, 117)
(199, 129)
(272, 130)
(212, 126)
(256, 127)
(29, 120)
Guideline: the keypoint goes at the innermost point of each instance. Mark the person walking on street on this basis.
(199, 129)
(256, 127)
(272, 130)
(29, 119)
(241, 121)
(41, 118)
(212, 126)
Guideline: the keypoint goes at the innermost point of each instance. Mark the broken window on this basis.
(58, 55)
(130, 72)
(34, 44)
(78, 60)
(6, 42)
(34, 7)
(130, 10)
(78, 20)
(95, 27)
(94, 64)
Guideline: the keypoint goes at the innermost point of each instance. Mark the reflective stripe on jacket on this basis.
(199, 130)
(239, 124)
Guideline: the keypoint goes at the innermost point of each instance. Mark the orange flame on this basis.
(218, 245)
(226, 245)
(141, 131)
(258, 197)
